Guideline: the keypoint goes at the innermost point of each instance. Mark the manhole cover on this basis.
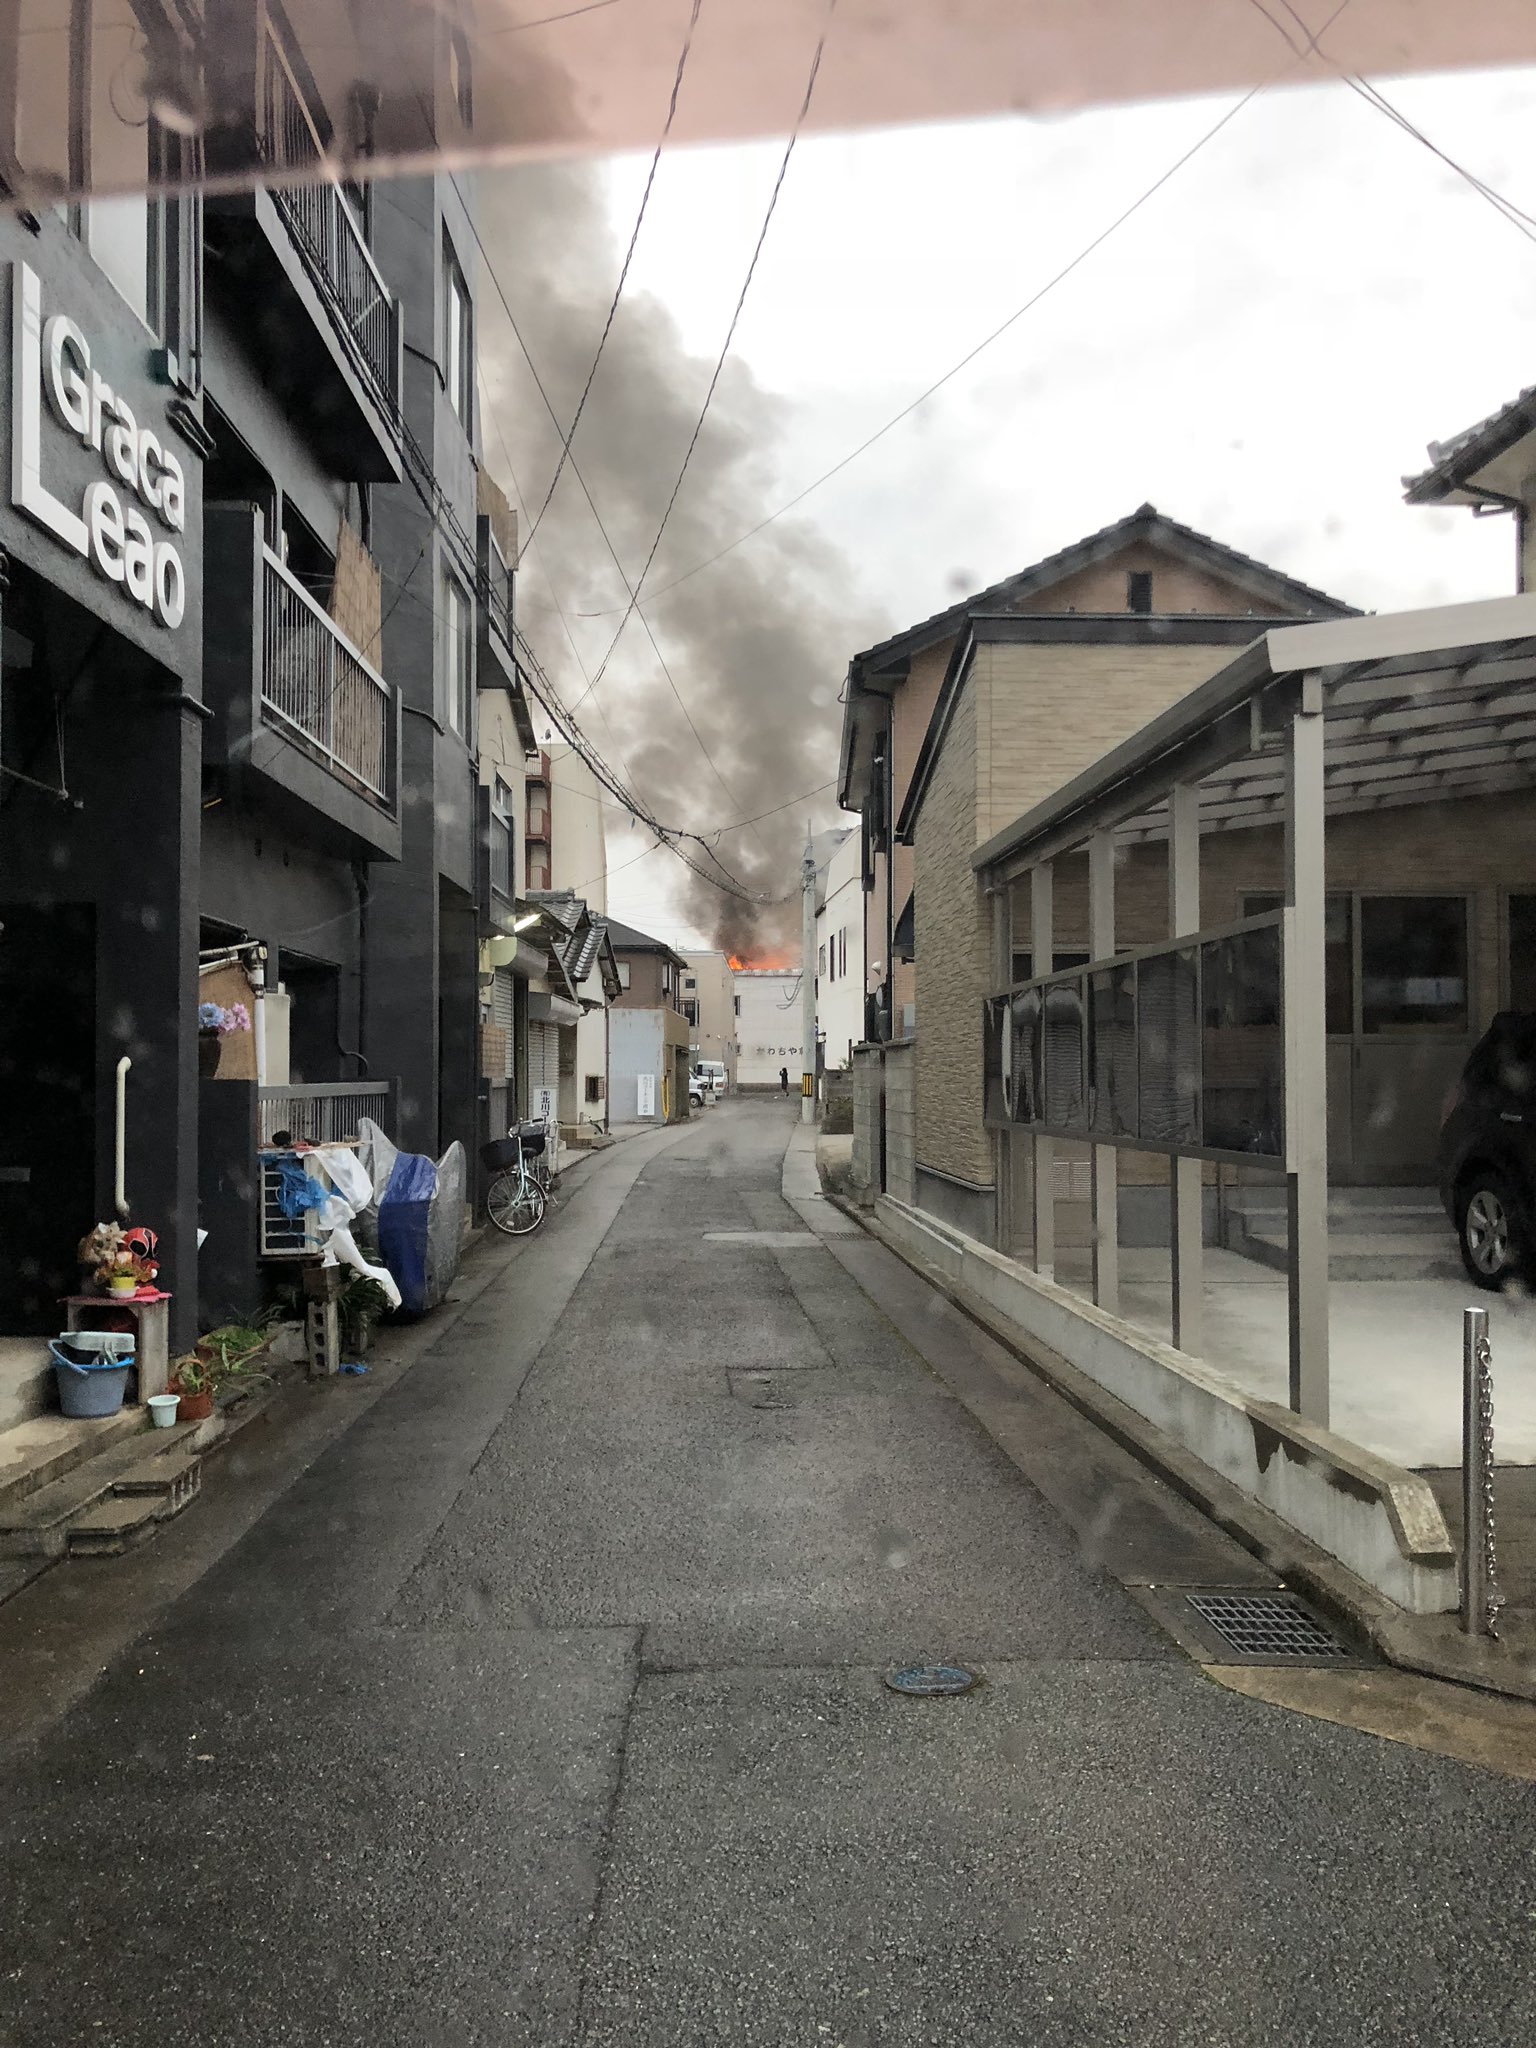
(1269, 1628)
(931, 1681)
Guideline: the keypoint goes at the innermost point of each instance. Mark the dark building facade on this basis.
(237, 716)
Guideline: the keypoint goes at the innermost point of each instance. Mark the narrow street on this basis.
(547, 1706)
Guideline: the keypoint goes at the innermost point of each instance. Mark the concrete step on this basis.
(1365, 1255)
(36, 1452)
(114, 1525)
(37, 1524)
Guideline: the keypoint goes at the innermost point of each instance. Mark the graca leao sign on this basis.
(128, 517)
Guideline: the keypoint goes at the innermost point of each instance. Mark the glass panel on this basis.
(1169, 1042)
(1242, 1053)
(1413, 963)
(1022, 1056)
(1112, 1052)
(1522, 953)
(1065, 1105)
(1338, 955)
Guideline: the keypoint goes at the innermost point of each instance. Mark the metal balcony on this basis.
(316, 686)
(324, 224)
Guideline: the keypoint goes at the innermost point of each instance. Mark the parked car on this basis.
(697, 1093)
(1488, 1153)
(712, 1073)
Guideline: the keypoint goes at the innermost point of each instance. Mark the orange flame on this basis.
(776, 964)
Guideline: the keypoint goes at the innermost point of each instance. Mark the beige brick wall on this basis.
(1047, 713)
(951, 961)
(1028, 720)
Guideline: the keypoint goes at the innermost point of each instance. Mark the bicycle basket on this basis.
(499, 1154)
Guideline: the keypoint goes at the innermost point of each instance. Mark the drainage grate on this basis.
(931, 1681)
(1270, 1628)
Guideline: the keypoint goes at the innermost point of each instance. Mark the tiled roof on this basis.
(1145, 523)
(1452, 461)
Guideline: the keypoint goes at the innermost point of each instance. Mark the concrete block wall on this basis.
(901, 1121)
(867, 1093)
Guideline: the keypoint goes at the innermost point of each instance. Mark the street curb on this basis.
(1433, 1647)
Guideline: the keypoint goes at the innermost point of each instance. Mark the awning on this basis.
(552, 1009)
(1418, 706)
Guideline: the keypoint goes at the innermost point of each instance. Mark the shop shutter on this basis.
(502, 1012)
(543, 1056)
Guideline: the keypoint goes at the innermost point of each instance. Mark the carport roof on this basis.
(1419, 706)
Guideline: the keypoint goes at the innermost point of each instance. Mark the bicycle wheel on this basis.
(515, 1204)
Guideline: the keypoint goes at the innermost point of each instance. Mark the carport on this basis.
(1214, 1044)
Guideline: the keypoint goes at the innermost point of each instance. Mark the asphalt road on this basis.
(546, 1706)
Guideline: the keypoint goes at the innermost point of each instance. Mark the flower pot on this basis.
(194, 1407)
(208, 1047)
(162, 1410)
(122, 1283)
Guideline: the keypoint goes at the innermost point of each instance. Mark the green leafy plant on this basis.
(191, 1374)
(363, 1303)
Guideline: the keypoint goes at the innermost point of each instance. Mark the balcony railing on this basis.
(317, 688)
(325, 1112)
(323, 223)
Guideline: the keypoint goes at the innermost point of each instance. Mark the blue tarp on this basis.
(405, 1215)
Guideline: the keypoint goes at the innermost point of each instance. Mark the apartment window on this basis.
(460, 77)
(503, 841)
(623, 974)
(691, 1012)
(458, 338)
(594, 1089)
(821, 960)
(457, 655)
(736, 1000)
(690, 981)
(1138, 590)
(86, 121)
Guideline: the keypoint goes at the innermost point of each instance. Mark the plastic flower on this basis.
(236, 1018)
(209, 1017)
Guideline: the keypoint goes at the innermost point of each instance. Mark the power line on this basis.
(1364, 89)
(725, 346)
(1028, 306)
(618, 290)
(591, 505)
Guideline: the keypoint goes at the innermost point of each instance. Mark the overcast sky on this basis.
(1262, 351)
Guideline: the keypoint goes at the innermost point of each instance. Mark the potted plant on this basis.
(192, 1379)
(363, 1303)
(215, 1023)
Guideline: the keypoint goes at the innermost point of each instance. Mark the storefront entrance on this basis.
(47, 1086)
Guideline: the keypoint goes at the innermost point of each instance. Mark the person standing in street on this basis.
(783, 1080)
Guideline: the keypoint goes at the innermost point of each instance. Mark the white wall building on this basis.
(769, 1029)
(840, 978)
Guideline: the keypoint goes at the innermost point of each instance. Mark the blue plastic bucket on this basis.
(91, 1387)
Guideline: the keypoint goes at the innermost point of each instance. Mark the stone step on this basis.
(113, 1525)
(35, 1453)
(37, 1524)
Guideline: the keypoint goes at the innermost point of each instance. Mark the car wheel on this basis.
(1489, 1227)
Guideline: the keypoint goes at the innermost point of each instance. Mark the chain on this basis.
(1495, 1599)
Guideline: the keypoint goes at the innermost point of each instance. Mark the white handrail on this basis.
(120, 1189)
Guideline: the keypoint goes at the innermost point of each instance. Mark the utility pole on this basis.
(808, 978)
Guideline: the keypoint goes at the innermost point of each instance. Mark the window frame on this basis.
(458, 318)
(458, 710)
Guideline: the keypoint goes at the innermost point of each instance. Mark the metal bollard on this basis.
(1480, 1597)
